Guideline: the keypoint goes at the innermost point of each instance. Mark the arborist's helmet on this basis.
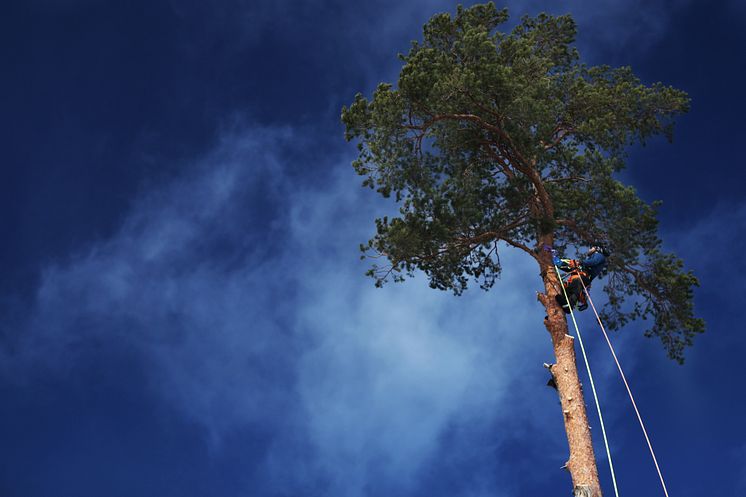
(601, 248)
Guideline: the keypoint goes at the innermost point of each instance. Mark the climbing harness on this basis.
(629, 391)
(576, 274)
(593, 386)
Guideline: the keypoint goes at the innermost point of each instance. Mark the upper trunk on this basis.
(582, 461)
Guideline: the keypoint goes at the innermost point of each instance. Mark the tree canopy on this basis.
(493, 136)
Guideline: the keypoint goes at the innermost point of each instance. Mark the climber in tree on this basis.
(579, 273)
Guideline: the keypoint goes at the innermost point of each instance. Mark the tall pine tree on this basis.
(495, 137)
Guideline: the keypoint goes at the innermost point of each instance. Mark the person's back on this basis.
(594, 264)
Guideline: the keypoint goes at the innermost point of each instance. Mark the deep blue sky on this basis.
(183, 310)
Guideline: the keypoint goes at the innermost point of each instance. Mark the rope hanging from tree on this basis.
(624, 379)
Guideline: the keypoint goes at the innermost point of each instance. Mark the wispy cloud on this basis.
(614, 26)
(183, 281)
(243, 293)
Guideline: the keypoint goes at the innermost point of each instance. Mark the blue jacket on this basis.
(594, 265)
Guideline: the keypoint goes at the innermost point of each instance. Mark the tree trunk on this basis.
(582, 461)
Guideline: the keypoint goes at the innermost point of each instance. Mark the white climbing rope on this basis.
(629, 391)
(593, 386)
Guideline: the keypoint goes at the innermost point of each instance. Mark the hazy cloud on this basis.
(243, 293)
(614, 26)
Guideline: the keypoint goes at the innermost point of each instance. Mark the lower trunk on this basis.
(582, 461)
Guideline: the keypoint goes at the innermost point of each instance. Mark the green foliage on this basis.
(492, 136)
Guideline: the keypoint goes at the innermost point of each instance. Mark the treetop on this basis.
(493, 136)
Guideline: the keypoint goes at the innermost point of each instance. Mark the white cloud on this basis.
(243, 293)
(617, 26)
(712, 230)
(389, 369)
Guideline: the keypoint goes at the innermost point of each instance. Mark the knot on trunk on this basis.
(584, 491)
(541, 297)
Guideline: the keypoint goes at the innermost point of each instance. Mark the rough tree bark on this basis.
(582, 461)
